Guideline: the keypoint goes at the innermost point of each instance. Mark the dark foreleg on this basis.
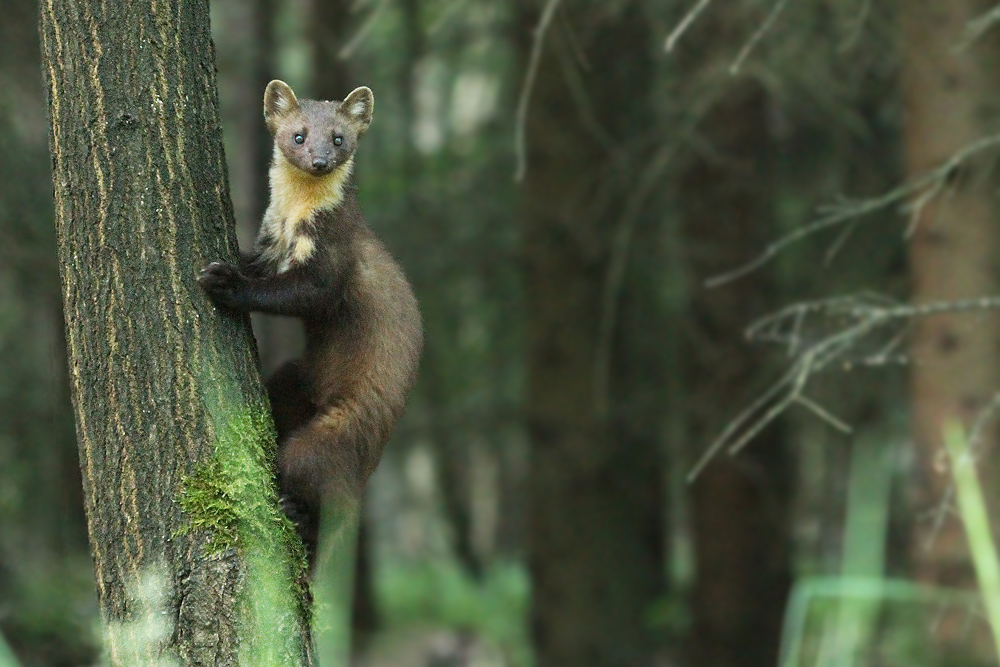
(291, 293)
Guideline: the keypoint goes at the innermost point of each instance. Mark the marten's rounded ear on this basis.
(279, 101)
(359, 106)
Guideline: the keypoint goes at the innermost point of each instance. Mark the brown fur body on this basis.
(316, 259)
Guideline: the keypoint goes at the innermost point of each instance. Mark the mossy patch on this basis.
(207, 500)
(233, 497)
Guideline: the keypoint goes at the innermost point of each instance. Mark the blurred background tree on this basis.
(951, 100)
(534, 506)
(43, 539)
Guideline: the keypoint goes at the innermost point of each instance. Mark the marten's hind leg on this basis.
(292, 405)
(293, 408)
(318, 468)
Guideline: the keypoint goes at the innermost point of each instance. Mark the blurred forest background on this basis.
(644, 234)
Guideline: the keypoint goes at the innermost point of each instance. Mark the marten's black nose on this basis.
(319, 163)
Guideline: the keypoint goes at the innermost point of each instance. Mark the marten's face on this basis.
(317, 137)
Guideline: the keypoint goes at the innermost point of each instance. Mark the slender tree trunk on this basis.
(248, 64)
(595, 539)
(34, 405)
(740, 507)
(329, 31)
(172, 423)
(951, 101)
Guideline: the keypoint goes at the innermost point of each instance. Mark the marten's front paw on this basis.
(221, 280)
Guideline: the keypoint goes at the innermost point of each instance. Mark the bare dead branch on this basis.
(979, 426)
(777, 409)
(925, 187)
(825, 334)
(946, 507)
(736, 424)
(834, 249)
(651, 176)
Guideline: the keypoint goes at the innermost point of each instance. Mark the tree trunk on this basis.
(192, 556)
(595, 502)
(740, 507)
(951, 101)
(329, 30)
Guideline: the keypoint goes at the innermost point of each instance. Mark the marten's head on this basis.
(315, 136)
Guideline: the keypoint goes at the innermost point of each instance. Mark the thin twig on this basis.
(832, 252)
(825, 415)
(867, 314)
(946, 506)
(776, 410)
(884, 355)
(744, 417)
(916, 208)
(685, 23)
(779, 6)
(929, 185)
(977, 27)
(978, 426)
(348, 49)
(937, 308)
(520, 142)
(620, 249)
(852, 39)
(795, 335)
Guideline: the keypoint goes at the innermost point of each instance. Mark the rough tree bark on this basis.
(951, 101)
(172, 423)
(595, 534)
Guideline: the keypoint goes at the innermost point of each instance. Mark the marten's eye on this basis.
(299, 138)
(338, 140)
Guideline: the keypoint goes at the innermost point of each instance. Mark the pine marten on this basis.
(316, 259)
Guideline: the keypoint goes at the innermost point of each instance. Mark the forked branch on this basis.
(840, 332)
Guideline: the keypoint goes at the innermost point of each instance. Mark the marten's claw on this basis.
(220, 280)
(220, 274)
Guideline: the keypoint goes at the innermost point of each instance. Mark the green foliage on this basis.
(230, 497)
(829, 622)
(862, 617)
(209, 505)
(7, 658)
(234, 498)
(439, 594)
(976, 520)
(48, 612)
(333, 585)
